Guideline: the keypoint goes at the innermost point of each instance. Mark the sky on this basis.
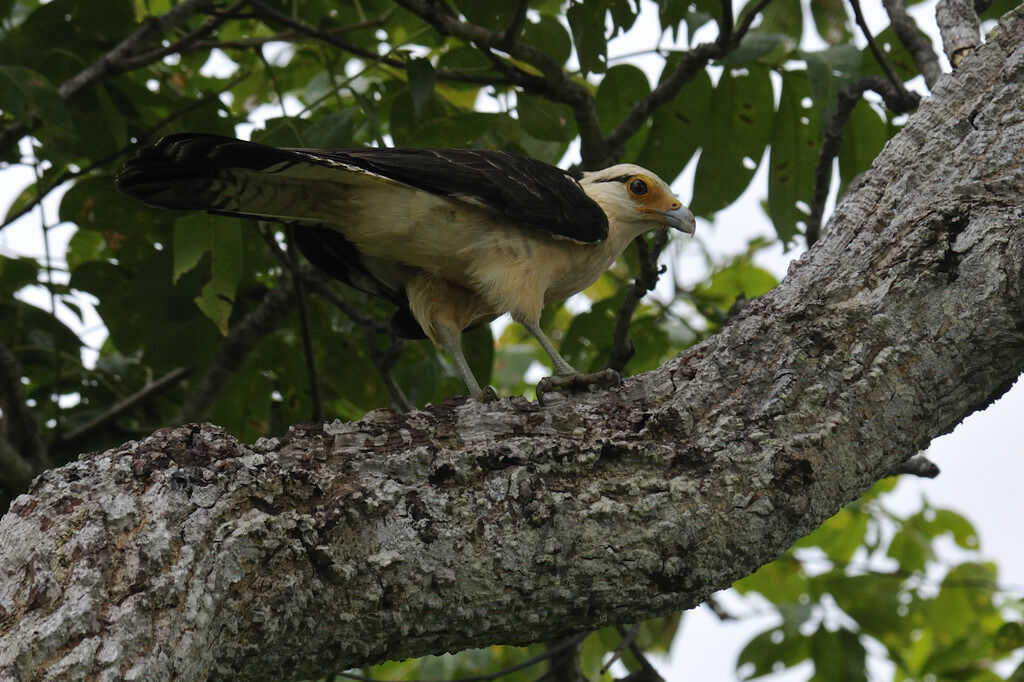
(980, 460)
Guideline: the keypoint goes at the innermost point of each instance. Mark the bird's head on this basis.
(637, 199)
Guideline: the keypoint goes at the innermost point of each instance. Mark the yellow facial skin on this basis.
(651, 197)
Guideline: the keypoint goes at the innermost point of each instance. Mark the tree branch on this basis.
(917, 44)
(688, 67)
(277, 303)
(119, 408)
(555, 84)
(623, 347)
(959, 28)
(918, 466)
(898, 100)
(149, 28)
(191, 556)
(880, 59)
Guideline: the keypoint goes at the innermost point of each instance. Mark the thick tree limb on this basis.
(188, 555)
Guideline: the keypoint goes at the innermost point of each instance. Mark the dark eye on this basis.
(638, 186)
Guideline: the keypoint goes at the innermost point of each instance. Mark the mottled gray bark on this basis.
(188, 555)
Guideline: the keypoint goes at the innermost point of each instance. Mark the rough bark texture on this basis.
(188, 555)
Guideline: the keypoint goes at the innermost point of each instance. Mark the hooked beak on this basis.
(680, 219)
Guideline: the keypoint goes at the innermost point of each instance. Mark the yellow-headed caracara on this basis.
(453, 237)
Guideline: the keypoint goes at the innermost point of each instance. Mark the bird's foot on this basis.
(576, 382)
(485, 395)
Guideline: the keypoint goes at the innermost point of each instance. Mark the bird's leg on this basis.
(566, 376)
(451, 340)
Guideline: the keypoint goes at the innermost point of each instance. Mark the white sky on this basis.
(980, 461)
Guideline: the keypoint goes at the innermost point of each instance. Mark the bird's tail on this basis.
(190, 171)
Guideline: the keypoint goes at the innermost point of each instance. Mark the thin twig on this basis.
(555, 84)
(149, 28)
(897, 100)
(119, 408)
(268, 12)
(627, 639)
(528, 663)
(648, 672)
(136, 61)
(307, 336)
(518, 15)
(236, 346)
(873, 46)
(688, 67)
(117, 153)
(918, 45)
(16, 410)
(623, 347)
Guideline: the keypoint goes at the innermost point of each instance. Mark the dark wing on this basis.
(527, 190)
(328, 250)
(196, 171)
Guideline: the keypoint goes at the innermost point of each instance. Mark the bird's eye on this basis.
(638, 187)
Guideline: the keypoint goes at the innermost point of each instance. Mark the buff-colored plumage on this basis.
(455, 259)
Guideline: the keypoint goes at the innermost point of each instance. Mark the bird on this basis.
(453, 238)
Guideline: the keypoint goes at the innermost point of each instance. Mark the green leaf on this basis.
(29, 97)
(478, 346)
(831, 20)
(741, 123)
(422, 80)
(16, 273)
(864, 136)
(829, 71)
(795, 142)
(772, 650)
(586, 20)
(838, 655)
(621, 87)
(549, 35)
(679, 126)
(782, 16)
(840, 536)
(194, 237)
(761, 47)
(895, 53)
(544, 119)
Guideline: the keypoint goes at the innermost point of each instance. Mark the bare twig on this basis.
(897, 100)
(563, 662)
(687, 68)
(959, 28)
(119, 408)
(719, 610)
(111, 60)
(627, 639)
(240, 340)
(16, 410)
(518, 15)
(918, 466)
(528, 663)
(555, 83)
(139, 139)
(127, 63)
(307, 335)
(622, 346)
(268, 12)
(875, 49)
(647, 672)
(917, 44)
(192, 43)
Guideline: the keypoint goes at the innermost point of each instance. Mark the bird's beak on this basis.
(681, 219)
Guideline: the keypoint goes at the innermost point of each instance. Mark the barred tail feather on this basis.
(222, 175)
